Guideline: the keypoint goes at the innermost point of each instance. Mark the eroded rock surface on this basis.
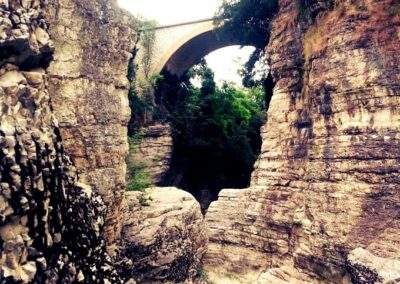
(24, 40)
(156, 149)
(163, 236)
(43, 209)
(366, 268)
(327, 180)
(51, 226)
(89, 91)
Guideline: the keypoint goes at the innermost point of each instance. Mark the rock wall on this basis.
(156, 149)
(43, 208)
(327, 180)
(88, 86)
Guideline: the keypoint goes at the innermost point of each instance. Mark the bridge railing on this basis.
(179, 24)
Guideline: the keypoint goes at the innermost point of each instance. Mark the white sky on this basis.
(171, 11)
(224, 62)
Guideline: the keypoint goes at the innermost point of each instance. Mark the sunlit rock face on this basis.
(163, 236)
(327, 180)
(88, 88)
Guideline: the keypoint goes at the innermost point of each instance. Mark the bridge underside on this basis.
(191, 52)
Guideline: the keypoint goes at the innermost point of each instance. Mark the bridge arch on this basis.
(178, 47)
(191, 48)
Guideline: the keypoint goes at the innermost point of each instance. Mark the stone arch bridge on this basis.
(178, 47)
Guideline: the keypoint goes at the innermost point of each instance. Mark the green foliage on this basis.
(143, 106)
(134, 141)
(206, 75)
(139, 178)
(146, 86)
(246, 20)
(249, 22)
(141, 92)
(215, 129)
(147, 40)
(255, 70)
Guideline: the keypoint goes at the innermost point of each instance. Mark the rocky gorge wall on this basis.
(327, 180)
(57, 80)
(88, 81)
(155, 149)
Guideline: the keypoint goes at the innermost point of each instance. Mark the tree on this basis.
(249, 22)
(246, 20)
(216, 131)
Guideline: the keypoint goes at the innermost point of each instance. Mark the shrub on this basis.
(139, 178)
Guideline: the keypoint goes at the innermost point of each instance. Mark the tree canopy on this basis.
(216, 131)
(246, 20)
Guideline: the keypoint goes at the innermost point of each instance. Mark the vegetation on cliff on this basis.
(139, 178)
(141, 91)
(246, 20)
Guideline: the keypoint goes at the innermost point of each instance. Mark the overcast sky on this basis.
(171, 11)
(225, 62)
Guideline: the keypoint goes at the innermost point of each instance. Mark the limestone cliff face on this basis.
(88, 88)
(327, 180)
(44, 209)
(156, 149)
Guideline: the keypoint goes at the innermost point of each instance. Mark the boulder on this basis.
(163, 236)
(366, 268)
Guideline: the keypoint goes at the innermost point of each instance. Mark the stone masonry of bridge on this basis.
(180, 46)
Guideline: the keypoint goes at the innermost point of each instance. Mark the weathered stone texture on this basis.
(366, 268)
(163, 236)
(327, 180)
(24, 40)
(88, 87)
(156, 149)
(43, 208)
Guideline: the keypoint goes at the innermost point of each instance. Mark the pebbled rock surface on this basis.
(327, 180)
(163, 236)
(43, 209)
(89, 91)
(51, 225)
(366, 268)
(24, 40)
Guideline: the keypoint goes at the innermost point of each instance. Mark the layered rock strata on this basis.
(163, 236)
(327, 180)
(89, 86)
(156, 149)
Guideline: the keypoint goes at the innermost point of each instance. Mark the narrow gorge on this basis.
(323, 201)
